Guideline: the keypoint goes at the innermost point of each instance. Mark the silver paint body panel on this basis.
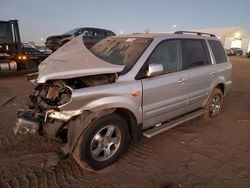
(161, 98)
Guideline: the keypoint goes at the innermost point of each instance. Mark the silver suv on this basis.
(97, 101)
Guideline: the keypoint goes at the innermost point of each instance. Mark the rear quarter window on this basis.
(218, 51)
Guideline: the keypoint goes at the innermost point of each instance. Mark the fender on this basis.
(117, 95)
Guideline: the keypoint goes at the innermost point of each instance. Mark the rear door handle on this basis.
(182, 80)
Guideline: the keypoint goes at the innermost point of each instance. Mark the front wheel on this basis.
(102, 143)
(214, 104)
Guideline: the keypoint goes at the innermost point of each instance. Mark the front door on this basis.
(165, 96)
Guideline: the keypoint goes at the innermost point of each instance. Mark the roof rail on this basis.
(194, 32)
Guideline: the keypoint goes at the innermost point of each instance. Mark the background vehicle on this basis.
(12, 57)
(90, 37)
(13, 54)
(99, 100)
(248, 54)
(234, 51)
(35, 55)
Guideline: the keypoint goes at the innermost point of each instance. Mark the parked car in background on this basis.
(97, 101)
(90, 37)
(234, 51)
(248, 54)
(35, 56)
(43, 49)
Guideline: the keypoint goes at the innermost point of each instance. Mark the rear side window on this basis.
(218, 51)
(193, 53)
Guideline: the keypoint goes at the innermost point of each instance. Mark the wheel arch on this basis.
(221, 86)
(82, 121)
(133, 126)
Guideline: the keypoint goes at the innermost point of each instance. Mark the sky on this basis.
(39, 19)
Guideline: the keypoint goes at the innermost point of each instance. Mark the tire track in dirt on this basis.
(33, 182)
(61, 175)
(12, 146)
(5, 142)
(68, 174)
(136, 155)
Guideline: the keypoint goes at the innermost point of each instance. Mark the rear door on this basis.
(196, 60)
(164, 96)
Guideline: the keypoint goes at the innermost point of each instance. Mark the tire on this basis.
(102, 143)
(214, 104)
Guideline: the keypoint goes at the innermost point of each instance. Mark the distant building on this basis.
(231, 37)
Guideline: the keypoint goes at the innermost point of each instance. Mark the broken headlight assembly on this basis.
(49, 96)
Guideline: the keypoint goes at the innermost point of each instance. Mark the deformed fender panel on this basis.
(116, 95)
(115, 102)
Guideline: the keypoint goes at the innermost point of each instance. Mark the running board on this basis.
(171, 124)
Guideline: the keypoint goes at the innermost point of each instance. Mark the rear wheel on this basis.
(214, 104)
(102, 143)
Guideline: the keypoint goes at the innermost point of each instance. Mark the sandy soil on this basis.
(199, 153)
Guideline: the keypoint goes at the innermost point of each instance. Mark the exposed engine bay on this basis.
(49, 97)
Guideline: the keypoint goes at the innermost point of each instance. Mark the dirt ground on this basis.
(199, 153)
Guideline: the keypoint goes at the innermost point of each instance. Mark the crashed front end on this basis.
(45, 100)
(43, 113)
(70, 68)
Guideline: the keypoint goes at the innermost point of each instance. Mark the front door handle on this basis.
(182, 80)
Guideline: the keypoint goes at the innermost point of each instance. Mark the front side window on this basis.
(121, 50)
(167, 53)
(218, 51)
(2, 29)
(193, 53)
(6, 32)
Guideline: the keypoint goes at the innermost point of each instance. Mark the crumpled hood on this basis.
(74, 60)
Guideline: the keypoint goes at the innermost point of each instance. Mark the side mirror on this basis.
(154, 69)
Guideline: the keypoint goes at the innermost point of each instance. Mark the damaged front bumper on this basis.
(45, 113)
(30, 122)
(24, 126)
